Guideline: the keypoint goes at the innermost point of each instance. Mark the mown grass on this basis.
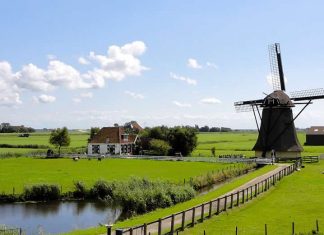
(77, 139)
(18, 172)
(160, 213)
(240, 143)
(297, 198)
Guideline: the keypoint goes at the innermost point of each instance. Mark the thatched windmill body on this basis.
(277, 133)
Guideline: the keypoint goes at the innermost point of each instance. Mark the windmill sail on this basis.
(312, 94)
(277, 75)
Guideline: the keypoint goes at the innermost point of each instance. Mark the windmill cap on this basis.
(277, 98)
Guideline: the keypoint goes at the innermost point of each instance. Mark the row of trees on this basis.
(212, 129)
(163, 140)
(8, 128)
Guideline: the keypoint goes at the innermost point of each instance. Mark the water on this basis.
(56, 217)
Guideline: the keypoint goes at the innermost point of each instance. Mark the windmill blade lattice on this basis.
(311, 94)
(275, 75)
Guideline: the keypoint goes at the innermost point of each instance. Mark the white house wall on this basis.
(103, 148)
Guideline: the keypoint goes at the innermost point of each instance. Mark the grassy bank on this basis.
(179, 207)
(297, 198)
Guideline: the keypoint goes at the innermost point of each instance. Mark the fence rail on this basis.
(196, 214)
(310, 159)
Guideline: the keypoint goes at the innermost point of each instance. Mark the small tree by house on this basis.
(93, 132)
(159, 147)
(60, 137)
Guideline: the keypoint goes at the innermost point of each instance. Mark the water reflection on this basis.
(57, 217)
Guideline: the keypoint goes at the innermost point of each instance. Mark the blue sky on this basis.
(94, 63)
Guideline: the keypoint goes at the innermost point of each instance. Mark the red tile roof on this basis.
(112, 135)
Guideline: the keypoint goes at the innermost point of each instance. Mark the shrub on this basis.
(102, 190)
(42, 192)
(80, 190)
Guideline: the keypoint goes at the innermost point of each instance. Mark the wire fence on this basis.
(4, 230)
(197, 214)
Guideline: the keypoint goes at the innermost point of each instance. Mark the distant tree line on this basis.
(212, 129)
(163, 140)
(7, 128)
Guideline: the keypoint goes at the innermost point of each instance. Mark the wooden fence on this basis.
(188, 218)
(310, 159)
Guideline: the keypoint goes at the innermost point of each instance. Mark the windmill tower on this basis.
(277, 133)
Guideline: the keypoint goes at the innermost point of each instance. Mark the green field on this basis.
(297, 198)
(224, 143)
(240, 143)
(18, 172)
(78, 140)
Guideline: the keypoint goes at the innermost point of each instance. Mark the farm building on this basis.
(315, 135)
(112, 140)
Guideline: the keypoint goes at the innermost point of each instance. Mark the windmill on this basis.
(277, 133)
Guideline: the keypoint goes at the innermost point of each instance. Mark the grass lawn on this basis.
(240, 143)
(77, 139)
(154, 215)
(297, 198)
(18, 172)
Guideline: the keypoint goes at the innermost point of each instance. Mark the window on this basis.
(95, 149)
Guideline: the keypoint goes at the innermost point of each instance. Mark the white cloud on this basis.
(120, 61)
(210, 100)
(86, 95)
(212, 65)
(9, 91)
(182, 105)
(77, 100)
(83, 61)
(51, 57)
(192, 63)
(45, 99)
(182, 78)
(134, 95)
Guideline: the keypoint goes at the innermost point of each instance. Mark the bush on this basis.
(102, 190)
(42, 192)
(159, 147)
(80, 190)
(141, 195)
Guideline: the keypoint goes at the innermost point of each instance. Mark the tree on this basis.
(93, 132)
(159, 147)
(60, 137)
(182, 139)
(213, 150)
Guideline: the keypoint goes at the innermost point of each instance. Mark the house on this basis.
(315, 135)
(112, 140)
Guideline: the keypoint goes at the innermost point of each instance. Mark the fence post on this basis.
(217, 212)
(119, 231)
(293, 228)
(243, 200)
(131, 231)
(108, 226)
(231, 200)
(210, 208)
(145, 229)
(160, 227)
(172, 224)
(193, 216)
(225, 203)
(236, 230)
(202, 212)
(265, 229)
(317, 226)
(183, 220)
(255, 190)
(238, 198)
